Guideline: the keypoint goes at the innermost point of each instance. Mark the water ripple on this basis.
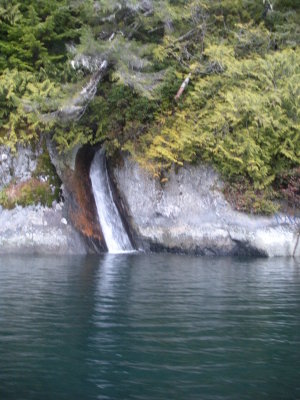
(149, 327)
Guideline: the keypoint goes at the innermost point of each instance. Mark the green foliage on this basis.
(33, 34)
(33, 65)
(23, 97)
(240, 111)
(244, 119)
(117, 114)
(69, 135)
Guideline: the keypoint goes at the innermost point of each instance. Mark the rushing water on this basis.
(115, 235)
(149, 327)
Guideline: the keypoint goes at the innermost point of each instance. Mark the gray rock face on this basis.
(33, 229)
(19, 166)
(38, 230)
(189, 214)
(62, 161)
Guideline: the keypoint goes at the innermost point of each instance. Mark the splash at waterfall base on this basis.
(188, 214)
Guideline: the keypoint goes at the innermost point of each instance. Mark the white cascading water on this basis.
(115, 235)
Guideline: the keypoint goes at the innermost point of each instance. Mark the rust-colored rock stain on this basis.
(82, 208)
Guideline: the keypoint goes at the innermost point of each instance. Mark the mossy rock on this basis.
(33, 191)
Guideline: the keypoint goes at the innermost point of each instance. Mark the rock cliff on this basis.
(189, 214)
(33, 229)
(38, 230)
(79, 203)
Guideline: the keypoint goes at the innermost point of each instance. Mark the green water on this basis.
(149, 327)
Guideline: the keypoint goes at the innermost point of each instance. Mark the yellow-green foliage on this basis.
(68, 135)
(239, 112)
(244, 119)
(33, 64)
(24, 96)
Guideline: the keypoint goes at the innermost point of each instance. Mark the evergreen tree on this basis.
(240, 110)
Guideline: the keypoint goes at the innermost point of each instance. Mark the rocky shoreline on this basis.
(187, 214)
(38, 230)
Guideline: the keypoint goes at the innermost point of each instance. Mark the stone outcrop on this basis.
(18, 166)
(79, 203)
(33, 229)
(67, 228)
(38, 230)
(188, 214)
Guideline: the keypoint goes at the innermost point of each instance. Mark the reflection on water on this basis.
(149, 327)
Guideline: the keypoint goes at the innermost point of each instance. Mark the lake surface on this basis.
(149, 327)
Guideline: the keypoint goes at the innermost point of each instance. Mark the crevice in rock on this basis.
(121, 206)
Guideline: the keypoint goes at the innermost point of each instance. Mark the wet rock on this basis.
(79, 203)
(189, 214)
(37, 230)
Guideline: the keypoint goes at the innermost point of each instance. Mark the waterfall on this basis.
(115, 235)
